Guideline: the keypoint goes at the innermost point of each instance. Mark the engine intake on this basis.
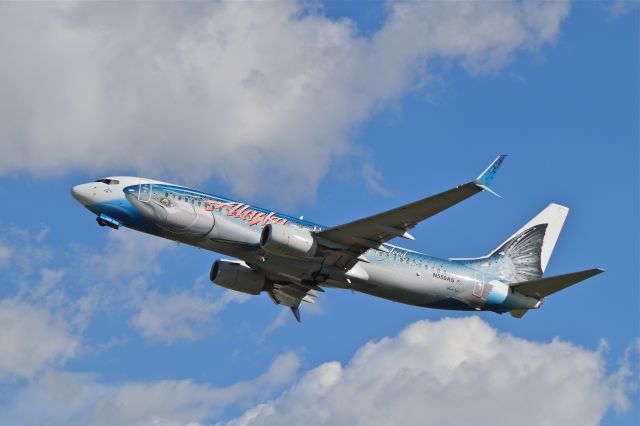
(236, 276)
(288, 241)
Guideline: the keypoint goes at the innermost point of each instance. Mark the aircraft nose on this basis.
(82, 193)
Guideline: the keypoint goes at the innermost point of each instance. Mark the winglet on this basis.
(489, 173)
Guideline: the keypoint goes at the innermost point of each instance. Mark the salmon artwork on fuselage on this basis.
(292, 260)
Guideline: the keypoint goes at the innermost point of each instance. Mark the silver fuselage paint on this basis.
(233, 229)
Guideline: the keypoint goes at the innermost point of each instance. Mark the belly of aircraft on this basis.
(400, 284)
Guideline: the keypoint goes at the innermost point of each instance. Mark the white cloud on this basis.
(181, 315)
(127, 254)
(24, 249)
(49, 280)
(5, 254)
(57, 398)
(451, 372)
(74, 282)
(278, 321)
(256, 93)
(118, 275)
(112, 278)
(374, 179)
(32, 339)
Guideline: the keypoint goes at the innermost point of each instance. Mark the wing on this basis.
(347, 243)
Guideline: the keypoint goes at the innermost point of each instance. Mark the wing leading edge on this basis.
(350, 241)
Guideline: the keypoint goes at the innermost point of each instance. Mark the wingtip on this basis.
(489, 173)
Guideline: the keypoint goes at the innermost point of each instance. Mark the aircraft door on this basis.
(478, 285)
(144, 192)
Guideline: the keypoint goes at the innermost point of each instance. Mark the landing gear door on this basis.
(144, 192)
(478, 285)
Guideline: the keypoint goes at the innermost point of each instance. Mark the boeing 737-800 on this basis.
(292, 259)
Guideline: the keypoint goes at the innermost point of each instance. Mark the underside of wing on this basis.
(347, 243)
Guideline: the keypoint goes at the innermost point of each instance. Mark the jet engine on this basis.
(288, 241)
(237, 276)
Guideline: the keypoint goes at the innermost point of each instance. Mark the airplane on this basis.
(292, 260)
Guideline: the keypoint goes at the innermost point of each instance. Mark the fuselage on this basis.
(233, 228)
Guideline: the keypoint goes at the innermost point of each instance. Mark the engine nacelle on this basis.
(236, 276)
(288, 241)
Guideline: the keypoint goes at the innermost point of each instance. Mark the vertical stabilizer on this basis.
(553, 216)
(525, 254)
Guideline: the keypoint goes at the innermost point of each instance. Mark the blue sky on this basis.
(334, 113)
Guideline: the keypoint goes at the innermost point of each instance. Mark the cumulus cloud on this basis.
(278, 321)
(49, 280)
(454, 371)
(181, 315)
(127, 254)
(116, 277)
(32, 339)
(451, 372)
(255, 93)
(118, 274)
(58, 398)
(22, 249)
(121, 273)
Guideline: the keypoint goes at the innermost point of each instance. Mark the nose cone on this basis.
(82, 193)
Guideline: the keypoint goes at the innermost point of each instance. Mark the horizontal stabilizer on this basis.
(546, 286)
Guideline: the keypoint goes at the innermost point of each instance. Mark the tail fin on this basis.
(524, 255)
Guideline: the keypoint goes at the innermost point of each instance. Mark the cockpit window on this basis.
(109, 181)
